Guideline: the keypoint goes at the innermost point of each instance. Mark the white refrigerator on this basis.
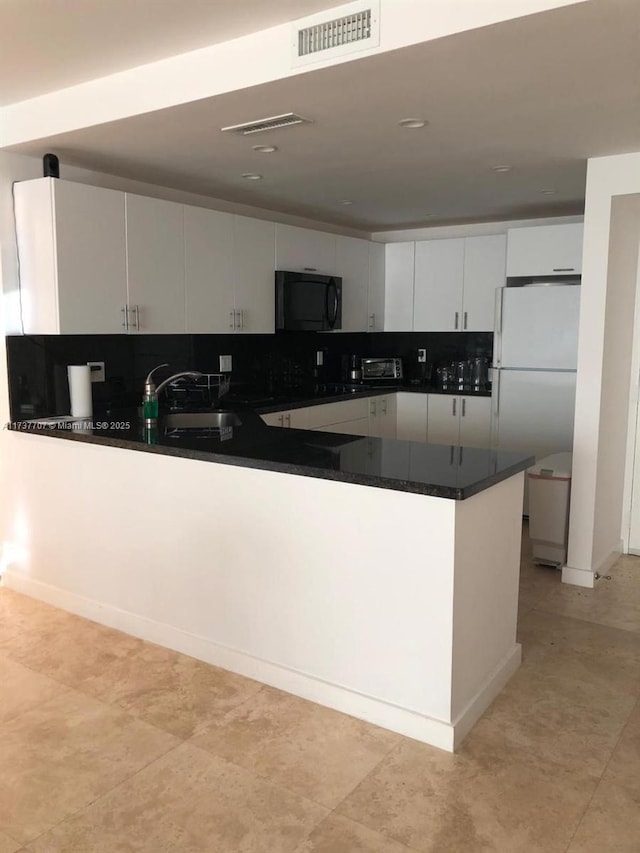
(534, 371)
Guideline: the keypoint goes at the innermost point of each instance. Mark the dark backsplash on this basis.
(278, 363)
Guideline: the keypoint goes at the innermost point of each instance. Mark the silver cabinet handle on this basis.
(310, 269)
(372, 407)
(372, 321)
(564, 269)
(125, 317)
(383, 406)
(288, 420)
(455, 324)
(454, 407)
(136, 317)
(239, 319)
(464, 322)
(281, 420)
(464, 407)
(232, 319)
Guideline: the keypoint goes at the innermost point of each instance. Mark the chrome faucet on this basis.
(150, 405)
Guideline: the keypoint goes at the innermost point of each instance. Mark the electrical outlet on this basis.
(225, 364)
(319, 358)
(97, 371)
(422, 356)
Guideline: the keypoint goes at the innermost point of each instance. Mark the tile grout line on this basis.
(602, 775)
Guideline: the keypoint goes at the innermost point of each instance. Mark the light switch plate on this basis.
(225, 364)
(422, 356)
(97, 371)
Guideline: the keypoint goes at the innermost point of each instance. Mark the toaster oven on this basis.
(381, 368)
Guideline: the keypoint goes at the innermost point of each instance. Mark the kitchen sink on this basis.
(200, 420)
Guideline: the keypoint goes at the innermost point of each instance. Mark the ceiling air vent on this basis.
(350, 28)
(271, 123)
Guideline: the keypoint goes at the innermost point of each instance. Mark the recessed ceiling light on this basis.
(413, 123)
(345, 201)
(502, 168)
(548, 192)
(251, 176)
(265, 149)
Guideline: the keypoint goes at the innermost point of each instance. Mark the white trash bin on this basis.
(549, 491)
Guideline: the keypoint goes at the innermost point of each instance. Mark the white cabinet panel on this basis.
(439, 273)
(475, 421)
(398, 297)
(375, 322)
(253, 274)
(335, 413)
(357, 427)
(352, 263)
(301, 249)
(443, 422)
(411, 416)
(484, 272)
(155, 265)
(71, 242)
(545, 250)
(208, 238)
(382, 416)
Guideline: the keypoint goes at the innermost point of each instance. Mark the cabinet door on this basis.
(375, 318)
(398, 287)
(545, 250)
(91, 258)
(208, 256)
(443, 421)
(484, 271)
(253, 275)
(352, 260)
(411, 417)
(382, 417)
(438, 285)
(301, 249)
(475, 421)
(155, 265)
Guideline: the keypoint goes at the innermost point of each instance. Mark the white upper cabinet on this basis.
(155, 265)
(71, 243)
(545, 250)
(398, 297)
(253, 275)
(375, 319)
(208, 259)
(484, 272)
(439, 276)
(352, 264)
(304, 250)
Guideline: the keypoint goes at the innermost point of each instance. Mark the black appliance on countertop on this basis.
(308, 302)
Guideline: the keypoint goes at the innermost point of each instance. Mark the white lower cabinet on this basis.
(411, 416)
(382, 416)
(454, 419)
(292, 419)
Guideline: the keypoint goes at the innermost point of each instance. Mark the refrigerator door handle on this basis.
(495, 392)
(497, 339)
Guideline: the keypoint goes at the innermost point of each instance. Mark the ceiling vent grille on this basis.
(271, 123)
(351, 27)
(335, 33)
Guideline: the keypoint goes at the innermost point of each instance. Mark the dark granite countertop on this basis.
(441, 471)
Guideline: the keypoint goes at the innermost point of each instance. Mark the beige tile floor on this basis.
(110, 744)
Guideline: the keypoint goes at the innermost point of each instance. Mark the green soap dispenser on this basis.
(150, 404)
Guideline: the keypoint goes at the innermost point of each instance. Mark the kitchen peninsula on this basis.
(374, 576)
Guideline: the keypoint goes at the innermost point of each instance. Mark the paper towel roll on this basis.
(80, 390)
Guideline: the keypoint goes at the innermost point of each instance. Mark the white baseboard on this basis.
(610, 559)
(487, 693)
(578, 577)
(439, 733)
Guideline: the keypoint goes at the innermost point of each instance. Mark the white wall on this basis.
(469, 229)
(602, 384)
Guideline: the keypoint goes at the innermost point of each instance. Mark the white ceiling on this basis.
(541, 93)
(47, 45)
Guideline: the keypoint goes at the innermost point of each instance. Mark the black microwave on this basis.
(307, 301)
